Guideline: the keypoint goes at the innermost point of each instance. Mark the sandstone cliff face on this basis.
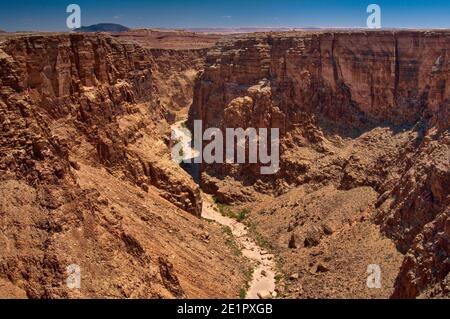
(86, 178)
(175, 72)
(354, 109)
(93, 81)
(364, 77)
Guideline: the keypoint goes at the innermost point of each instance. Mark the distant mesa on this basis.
(103, 27)
(1, 31)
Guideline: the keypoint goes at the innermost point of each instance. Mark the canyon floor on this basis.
(87, 178)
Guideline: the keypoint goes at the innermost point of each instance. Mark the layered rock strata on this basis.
(355, 109)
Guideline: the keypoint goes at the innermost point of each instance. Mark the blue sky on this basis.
(19, 15)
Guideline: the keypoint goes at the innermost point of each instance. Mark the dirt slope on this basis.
(86, 178)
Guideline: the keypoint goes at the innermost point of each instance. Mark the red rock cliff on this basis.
(91, 81)
(86, 177)
(354, 109)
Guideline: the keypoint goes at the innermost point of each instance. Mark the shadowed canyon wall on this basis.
(354, 109)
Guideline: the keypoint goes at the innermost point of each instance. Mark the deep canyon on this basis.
(86, 175)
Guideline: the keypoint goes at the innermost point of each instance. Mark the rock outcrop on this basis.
(354, 109)
(87, 183)
(96, 85)
(87, 186)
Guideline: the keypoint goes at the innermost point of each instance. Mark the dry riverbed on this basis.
(262, 284)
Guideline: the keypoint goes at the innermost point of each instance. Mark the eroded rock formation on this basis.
(355, 109)
(86, 177)
(97, 86)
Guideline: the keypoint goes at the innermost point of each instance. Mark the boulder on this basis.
(264, 294)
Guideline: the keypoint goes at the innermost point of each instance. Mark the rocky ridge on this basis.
(355, 109)
(86, 176)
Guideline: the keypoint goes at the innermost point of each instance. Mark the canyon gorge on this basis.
(86, 175)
